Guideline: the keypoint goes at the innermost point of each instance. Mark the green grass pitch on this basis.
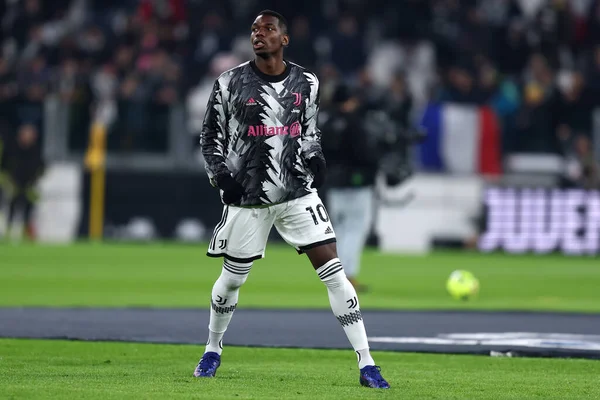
(75, 370)
(168, 275)
(182, 276)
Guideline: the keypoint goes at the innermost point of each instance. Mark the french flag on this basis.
(461, 139)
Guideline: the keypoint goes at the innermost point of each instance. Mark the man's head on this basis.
(27, 136)
(269, 33)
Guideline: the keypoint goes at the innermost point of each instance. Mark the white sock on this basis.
(344, 304)
(224, 301)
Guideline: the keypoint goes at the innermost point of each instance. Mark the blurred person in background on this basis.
(9, 90)
(302, 50)
(4, 132)
(576, 104)
(582, 170)
(501, 93)
(363, 138)
(536, 121)
(34, 82)
(353, 160)
(262, 148)
(399, 101)
(200, 94)
(592, 71)
(348, 48)
(22, 166)
(461, 84)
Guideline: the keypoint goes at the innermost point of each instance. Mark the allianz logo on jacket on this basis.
(293, 130)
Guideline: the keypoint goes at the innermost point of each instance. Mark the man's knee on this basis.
(233, 282)
(234, 274)
(321, 255)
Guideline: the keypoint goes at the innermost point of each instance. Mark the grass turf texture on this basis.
(170, 275)
(68, 370)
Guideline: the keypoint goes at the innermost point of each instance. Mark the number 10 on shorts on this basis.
(321, 212)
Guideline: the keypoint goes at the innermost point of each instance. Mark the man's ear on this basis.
(285, 41)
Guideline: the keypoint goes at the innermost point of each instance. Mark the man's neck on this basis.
(273, 65)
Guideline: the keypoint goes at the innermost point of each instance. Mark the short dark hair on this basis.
(283, 24)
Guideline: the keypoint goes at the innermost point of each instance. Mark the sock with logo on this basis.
(345, 306)
(224, 301)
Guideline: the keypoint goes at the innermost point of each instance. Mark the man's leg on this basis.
(223, 301)
(30, 230)
(305, 225)
(13, 205)
(240, 238)
(346, 307)
(342, 298)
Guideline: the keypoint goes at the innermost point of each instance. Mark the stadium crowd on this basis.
(536, 62)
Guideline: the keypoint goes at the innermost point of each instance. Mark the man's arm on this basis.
(214, 136)
(311, 134)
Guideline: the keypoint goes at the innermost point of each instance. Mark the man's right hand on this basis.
(232, 190)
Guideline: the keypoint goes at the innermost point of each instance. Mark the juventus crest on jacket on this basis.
(263, 129)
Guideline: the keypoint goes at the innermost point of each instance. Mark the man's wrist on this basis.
(222, 180)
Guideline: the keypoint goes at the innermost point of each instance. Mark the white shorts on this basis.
(242, 233)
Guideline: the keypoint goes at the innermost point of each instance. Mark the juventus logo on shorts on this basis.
(222, 243)
(353, 302)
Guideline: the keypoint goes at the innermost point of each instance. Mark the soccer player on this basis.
(262, 149)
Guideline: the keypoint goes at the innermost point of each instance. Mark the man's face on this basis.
(267, 36)
(27, 136)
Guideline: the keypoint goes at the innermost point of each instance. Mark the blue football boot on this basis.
(371, 377)
(207, 367)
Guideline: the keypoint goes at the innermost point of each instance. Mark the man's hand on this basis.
(398, 176)
(232, 190)
(393, 179)
(317, 167)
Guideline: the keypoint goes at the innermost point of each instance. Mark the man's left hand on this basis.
(317, 167)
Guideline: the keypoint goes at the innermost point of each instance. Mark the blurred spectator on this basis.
(22, 166)
(576, 107)
(513, 49)
(537, 119)
(535, 62)
(593, 23)
(329, 81)
(302, 44)
(199, 95)
(554, 30)
(93, 45)
(582, 168)
(29, 19)
(209, 37)
(347, 47)
(502, 95)
(461, 85)
(399, 102)
(9, 89)
(5, 136)
(73, 89)
(593, 74)
(34, 81)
